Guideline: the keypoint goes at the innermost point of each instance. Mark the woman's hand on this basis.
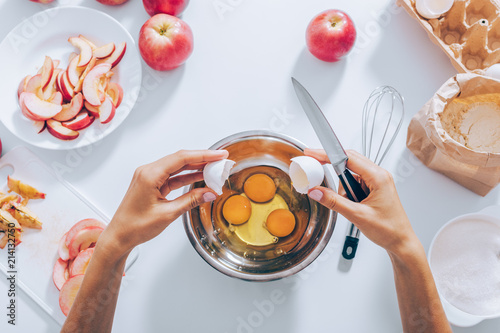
(380, 217)
(145, 212)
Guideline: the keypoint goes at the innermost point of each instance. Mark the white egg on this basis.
(216, 174)
(431, 9)
(306, 173)
(493, 71)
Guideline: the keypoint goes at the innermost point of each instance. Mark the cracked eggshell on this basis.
(432, 9)
(215, 174)
(306, 173)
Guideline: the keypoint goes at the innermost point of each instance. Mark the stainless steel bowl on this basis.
(251, 149)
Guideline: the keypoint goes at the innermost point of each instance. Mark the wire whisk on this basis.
(383, 111)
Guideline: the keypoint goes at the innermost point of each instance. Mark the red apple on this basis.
(331, 35)
(112, 2)
(165, 42)
(171, 7)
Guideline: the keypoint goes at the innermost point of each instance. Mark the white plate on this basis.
(24, 49)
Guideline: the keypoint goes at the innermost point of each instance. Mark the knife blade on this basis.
(337, 156)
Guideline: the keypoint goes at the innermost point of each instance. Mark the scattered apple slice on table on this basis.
(59, 131)
(117, 55)
(68, 293)
(40, 109)
(83, 239)
(63, 249)
(89, 67)
(91, 84)
(107, 111)
(82, 121)
(70, 110)
(73, 72)
(115, 91)
(47, 71)
(85, 50)
(81, 262)
(23, 84)
(80, 225)
(104, 51)
(60, 274)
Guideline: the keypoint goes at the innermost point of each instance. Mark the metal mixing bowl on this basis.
(251, 149)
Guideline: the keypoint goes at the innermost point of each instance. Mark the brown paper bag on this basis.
(477, 171)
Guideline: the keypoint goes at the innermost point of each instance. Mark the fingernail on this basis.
(316, 195)
(209, 197)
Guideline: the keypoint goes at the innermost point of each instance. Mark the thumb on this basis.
(190, 200)
(334, 201)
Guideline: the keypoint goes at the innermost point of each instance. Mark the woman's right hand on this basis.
(380, 216)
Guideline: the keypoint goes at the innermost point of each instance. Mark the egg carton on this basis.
(469, 33)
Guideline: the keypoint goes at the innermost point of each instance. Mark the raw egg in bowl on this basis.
(260, 228)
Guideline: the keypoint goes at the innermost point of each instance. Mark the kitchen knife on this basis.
(338, 159)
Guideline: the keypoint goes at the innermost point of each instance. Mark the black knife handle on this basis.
(350, 247)
(352, 187)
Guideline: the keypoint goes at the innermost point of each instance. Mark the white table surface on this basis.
(238, 79)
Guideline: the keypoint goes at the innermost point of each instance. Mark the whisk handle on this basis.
(352, 187)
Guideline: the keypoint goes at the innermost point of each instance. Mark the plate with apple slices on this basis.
(70, 77)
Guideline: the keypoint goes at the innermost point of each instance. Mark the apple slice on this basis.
(83, 239)
(91, 84)
(24, 110)
(67, 89)
(92, 45)
(51, 88)
(81, 262)
(89, 67)
(82, 121)
(42, 110)
(115, 91)
(80, 225)
(70, 110)
(59, 131)
(74, 72)
(40, 126)
(85, 50)
(55, 64)
(93, 110)
(68, 293)
(106, 111)
(34, 85)
(60, 274)
(47, 71)
(117, 55)
(22, 85)
(56, 98)
(63, 249)
(104, 51)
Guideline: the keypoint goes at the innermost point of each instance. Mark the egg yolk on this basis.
(259, 188)
(280, 222)
(237, 210)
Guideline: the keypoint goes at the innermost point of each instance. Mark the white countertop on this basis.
(238, 79)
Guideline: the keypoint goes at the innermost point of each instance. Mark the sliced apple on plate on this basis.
(107, 111)
(73, 72)
(104, 51)
(23, 84)
(89, 67)
(47, 71)
(81, 122)
(117, 55)
(59, 131)
(85, 50)
(38, 108)
(91, 84)
(115, 91)
(70, 110)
